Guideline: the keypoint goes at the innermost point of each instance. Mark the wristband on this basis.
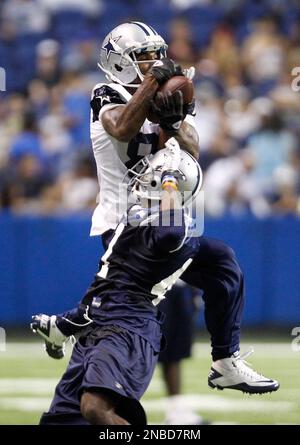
(170, 184)
(168, 179)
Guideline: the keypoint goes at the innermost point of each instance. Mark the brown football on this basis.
(176, 83)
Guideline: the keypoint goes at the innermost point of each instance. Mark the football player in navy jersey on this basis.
(112, 363)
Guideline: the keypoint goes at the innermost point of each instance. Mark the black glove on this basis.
(56, 352)
(178, 70)
(164, 69)
(189, 108)
(170, 111)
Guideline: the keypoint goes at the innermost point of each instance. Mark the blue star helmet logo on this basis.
(109, 47)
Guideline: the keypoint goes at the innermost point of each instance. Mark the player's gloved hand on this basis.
(189, 108)
(173, 158)
(170, 111)
(163, 70)
(189, 72)
(56, 352)
(171, 163)
(46, 327)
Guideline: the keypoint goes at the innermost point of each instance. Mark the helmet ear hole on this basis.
(153, 183)
(118, 68)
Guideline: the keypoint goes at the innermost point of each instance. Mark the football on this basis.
(176, 83)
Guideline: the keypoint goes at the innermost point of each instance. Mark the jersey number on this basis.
(104, 269)
(141, 145)
(161, 288)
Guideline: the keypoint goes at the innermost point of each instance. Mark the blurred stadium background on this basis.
(248, 119)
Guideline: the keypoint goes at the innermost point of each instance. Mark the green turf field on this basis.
(28, 377)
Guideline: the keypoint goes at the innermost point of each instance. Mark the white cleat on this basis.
(235, 373)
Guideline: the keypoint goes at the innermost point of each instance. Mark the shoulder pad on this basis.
(104, 95)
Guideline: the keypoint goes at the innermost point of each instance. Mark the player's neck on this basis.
(132, 90)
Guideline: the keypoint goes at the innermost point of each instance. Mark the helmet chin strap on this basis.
(135, 64)
(112, 78)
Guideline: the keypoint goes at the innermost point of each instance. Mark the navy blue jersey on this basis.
(144, 259)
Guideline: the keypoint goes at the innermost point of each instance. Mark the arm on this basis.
(56, 329)
(124, 122)
(171, 196)
(170, 232)
(171, 199)
(173, 112)
(188, 139)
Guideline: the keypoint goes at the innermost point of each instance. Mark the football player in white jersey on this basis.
(133, 58)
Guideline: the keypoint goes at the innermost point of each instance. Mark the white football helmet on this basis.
(119, 49)
(144, 178)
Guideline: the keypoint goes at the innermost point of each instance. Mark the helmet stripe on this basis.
(153, 30)
(143, 27)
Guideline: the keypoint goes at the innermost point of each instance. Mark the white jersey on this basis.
(114, 158)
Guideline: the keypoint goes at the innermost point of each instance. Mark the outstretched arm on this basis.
(188, 139)
(174, 123)
(124, 122)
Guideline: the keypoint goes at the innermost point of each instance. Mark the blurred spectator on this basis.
(26, 16)
(54, 130)
(241, 117)
(47, 63)
(76, 102)
(91, 7)
(81, 55)
(264, 53)
(208, 117)
(38, 95)
(272, 146)
(242, 84)
(284, 97)
(286, 197)
(294, 46)
(185, 4)
(223, 51)
(11, 123)
(181, 44)
(23, 190)
(228, 187)
(28, 142)
(80, 188)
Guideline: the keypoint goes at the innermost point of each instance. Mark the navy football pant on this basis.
(108, 359)
(216, 271)
(179, 325)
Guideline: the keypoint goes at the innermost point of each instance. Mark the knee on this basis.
(231, 266)
(227, 252)
(92, 409)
